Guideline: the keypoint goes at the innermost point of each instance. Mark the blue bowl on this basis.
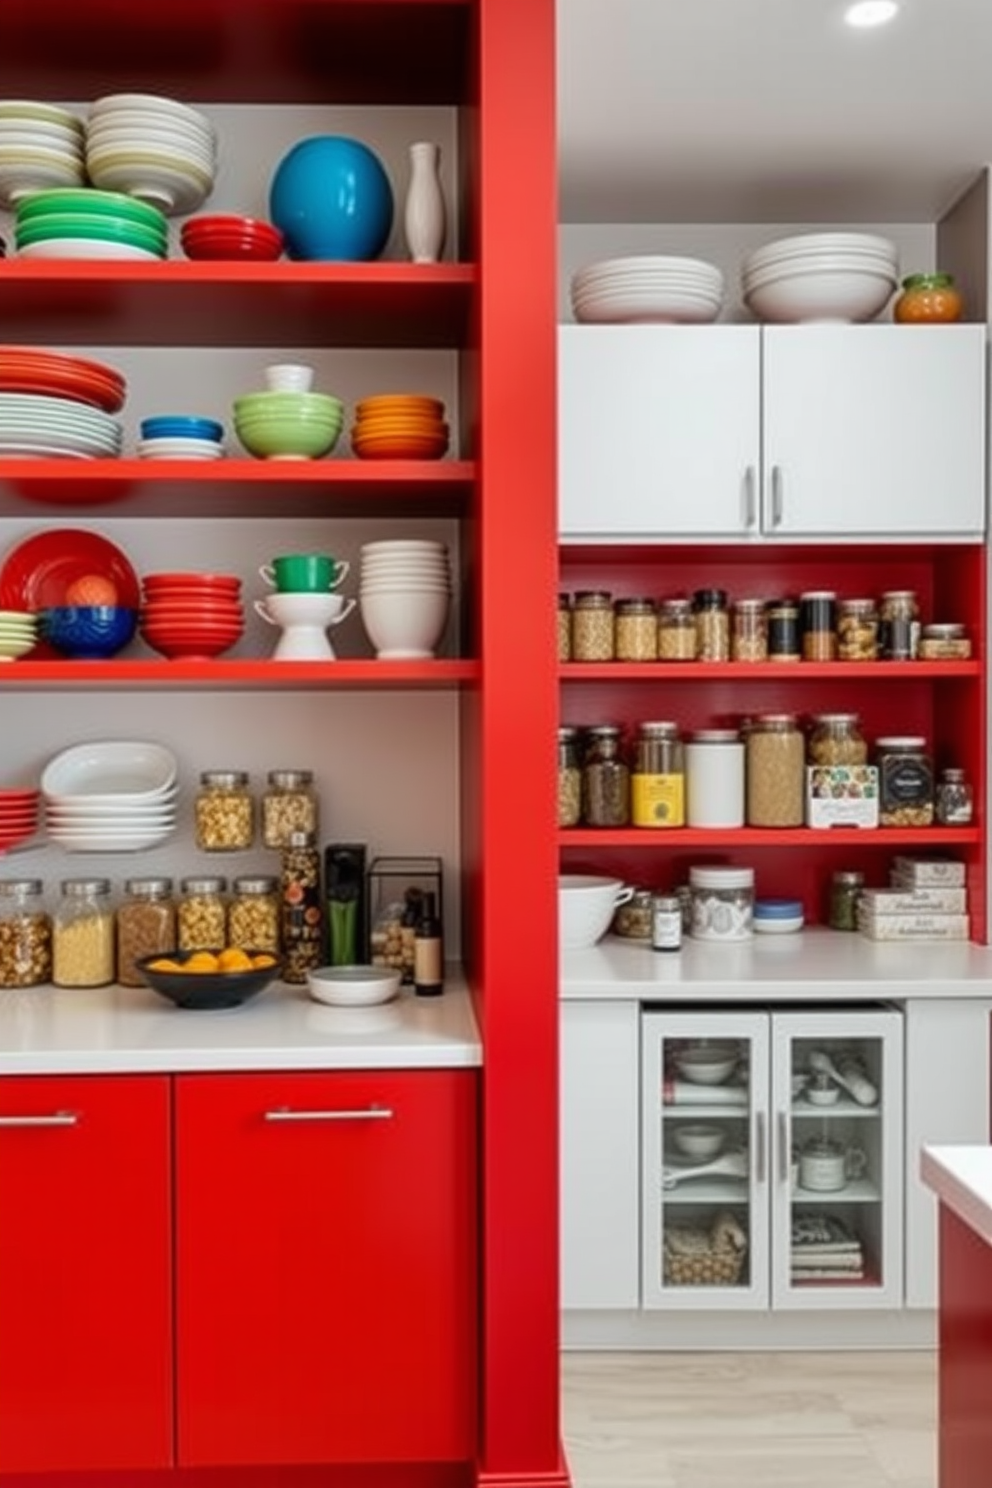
(330, 197)
(182, 426)
(88, 632)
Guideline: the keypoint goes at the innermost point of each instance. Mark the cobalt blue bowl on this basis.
(182, 426)
(330, 197)
(88, 632)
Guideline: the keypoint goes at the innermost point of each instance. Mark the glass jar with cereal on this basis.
(146, 926)
(253, 914)
(83, 934)
(201, 915)
(224, 812)
(289, 804)
(25, 934)
(857, 630)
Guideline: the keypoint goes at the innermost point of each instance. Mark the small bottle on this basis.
(955, 803)
(302, 913)
(666, 923)
(428, 960)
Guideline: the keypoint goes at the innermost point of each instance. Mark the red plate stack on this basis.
(230, 238)
(191, 616)
(53, 374)
(18, 817)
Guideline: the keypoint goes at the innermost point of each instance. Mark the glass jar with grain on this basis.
(146, 926)
(289, 804)
(83, 934)
(253, 914)
(836, 739)
(569, 777)
(676, 630)
(657, 780)
(593, 626)
(749, 640)
(818, 624)
(636, 630)
(564, 627)
(857, 630)
(201, 915)
(224, 812)
(709, 606)
(25, 934)
(605, 778)
(775, 771)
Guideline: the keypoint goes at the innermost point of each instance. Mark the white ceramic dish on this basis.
(179, 449)
(353, 986)
(698, 1139)
(822, 295)
(710, 1066)
(404, 621)
(586, 903)
(95, 248)
(111, 767)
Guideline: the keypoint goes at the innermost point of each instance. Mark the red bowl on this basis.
(227, 609)
(250, 249)
(197, 580)
(230, 222)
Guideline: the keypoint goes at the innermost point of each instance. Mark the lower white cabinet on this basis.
(765, 1181)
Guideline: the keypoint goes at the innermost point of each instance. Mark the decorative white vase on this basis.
(424, 216)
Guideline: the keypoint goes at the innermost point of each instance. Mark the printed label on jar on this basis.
(906, 782)
(657, 800)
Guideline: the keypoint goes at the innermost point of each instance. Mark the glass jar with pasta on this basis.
(775, 771)
(836, 739)
(83, 934)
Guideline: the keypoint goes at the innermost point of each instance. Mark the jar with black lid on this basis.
(905, 782)
(569, 777)
(818, 624)
(709, 606)
(782, 619)
(605, 778)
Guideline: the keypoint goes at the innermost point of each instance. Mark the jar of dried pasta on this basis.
(836, 739)
(636, 630)
(289, 804)
(592, 626)
(253, 914)
(905, 782)
(749, 641)
(564, 627)
(146, 926)
(857, 630)
(775, 768)
(709, 606)
(83, 934)
(676, 630)
(25, 934)
(201, 915)
(224, 812)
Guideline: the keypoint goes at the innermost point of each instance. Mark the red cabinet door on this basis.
(85, 1294)
(325, 1267)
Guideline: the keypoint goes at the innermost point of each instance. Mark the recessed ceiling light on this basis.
(866, 13)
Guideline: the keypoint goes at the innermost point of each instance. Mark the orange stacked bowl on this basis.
(191, 616)
(399, 426)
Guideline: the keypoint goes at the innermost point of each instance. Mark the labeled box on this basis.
(929, 873)
(914, 926)
(841, 796)
(904, 899)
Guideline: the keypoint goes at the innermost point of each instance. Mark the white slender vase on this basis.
(424, 215)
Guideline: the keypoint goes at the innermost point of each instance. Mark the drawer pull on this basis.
(778, 501)
(57, 1118)
(369, 1113)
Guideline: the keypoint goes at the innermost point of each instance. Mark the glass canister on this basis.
(301, 917)
(845, 890)
(775, 771)
(899, 625)
(146, 926)
(836, 739)
(25, 934)
(83, 934)
(201, 914)
(714, 779)
(632, 921)
(289, 804)
(818, 624)
(605, 778)
(569, 777)
(722, 903)
(905, 782)
(592, 626)
(636, 630)
(564, 627)
(749, 639)
(954, 806)
(944, 642)
(709, 607)
(657, 779)
(928, 299)
(676, 630)
(253, 914)
(857, 630)
(224, 812)
(782, 618)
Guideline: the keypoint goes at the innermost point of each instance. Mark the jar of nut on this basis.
(289, 804)
(857, 630)
(25, 934)
(301, 928)
(83, 934)
(676, 630)
(712, 624)
(775, 771)
(905, 782)
(564, 627)
(749, 641)
(836, 739)
(201, 916)
(569, 777)
(253, 914)
(146, 926)
(636, 630)
(224, 812)
(592, 626)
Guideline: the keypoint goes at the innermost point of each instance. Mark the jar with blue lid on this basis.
(777, 916)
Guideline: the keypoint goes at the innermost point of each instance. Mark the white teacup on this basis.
(289, 377)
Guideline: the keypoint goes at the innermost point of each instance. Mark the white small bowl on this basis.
(404, 621)
(699, 1140)
(289, 377)
(800, 296)
(353, 986)
(710, 1066)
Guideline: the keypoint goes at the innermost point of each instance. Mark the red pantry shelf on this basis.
(743, 671)
(256, 673)
(802, 837)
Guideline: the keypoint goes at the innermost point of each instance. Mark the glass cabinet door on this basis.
(837, 1158)
(704, 1151)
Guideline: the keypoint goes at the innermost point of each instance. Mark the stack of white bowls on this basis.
(40, 146)
(831, 276)
(156, 149)
(404, 597)
(654, 287)
(110, 796)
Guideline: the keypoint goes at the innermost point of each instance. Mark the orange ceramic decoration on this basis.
(928, 299)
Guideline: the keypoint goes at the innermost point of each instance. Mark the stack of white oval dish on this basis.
(40, 146)
(156, 149)
(404, 597)
(655, 287)
(110, 796)
(831, 276)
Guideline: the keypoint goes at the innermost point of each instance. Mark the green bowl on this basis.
(287, 438)
(292, 404)
(67, 226)
(92, 202)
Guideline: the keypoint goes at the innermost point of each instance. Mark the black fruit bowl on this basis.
(203, 990)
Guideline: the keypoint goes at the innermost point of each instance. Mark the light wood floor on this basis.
(782, 1420)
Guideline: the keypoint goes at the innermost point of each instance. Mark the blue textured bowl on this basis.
(181, 425)
(88, 632)
(331, 199)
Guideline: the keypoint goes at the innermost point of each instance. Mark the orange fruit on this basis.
(164, 964)
(201, 961)
(233, 959)
(91, 589)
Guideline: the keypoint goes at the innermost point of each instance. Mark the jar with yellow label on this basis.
(657, 780)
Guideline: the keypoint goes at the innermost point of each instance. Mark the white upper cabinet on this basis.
(658, 431)
(731, 432)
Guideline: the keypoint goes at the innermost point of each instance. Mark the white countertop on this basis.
(49, 1030)
(961, 1177)
(813, 965)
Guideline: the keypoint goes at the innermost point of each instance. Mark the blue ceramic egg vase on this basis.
(331, 198)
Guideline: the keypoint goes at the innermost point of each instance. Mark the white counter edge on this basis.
(961, 1177)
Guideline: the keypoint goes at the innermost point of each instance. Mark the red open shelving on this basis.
(791, 837)
(254, 672)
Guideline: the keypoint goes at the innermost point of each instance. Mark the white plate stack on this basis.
(649, 288)
(830, 276)
(41, 146)
(404, 597)
(156, 149)
(37, 426)
(113, 796)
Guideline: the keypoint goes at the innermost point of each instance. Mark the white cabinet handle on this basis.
(369, 1113)
(57, 1118)
(784, 1163)
(750, 504)
(760, 1148)
(778, 500)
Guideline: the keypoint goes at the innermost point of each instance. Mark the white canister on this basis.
(714, 778)
(722, 903)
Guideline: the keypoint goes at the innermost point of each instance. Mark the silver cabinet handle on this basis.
(57, 1118)
(750, 504)
(783, 1147)
(760, 1148)
(369, 1113)
(778, 501)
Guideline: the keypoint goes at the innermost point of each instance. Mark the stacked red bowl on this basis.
(18, 817)
(230, 238)
(191, 616)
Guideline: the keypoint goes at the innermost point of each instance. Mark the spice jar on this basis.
(845, 890)
(954, 805)
(289, 804)
(146, 926)
(592, 626)
(782, 617)
(201, 915)
(605, 778)
(636, 630)
(722, 903)
(905, 782)
(714, 779)
(253, 914)
(676, 630)
(564, 627)
(775, 771)
(301, 927)
(818, 624)
(749, 640)
(709, 606)
(928, 299)
(25, 934)
(948, 642)
(632, 921)
(224, 812)
(569, 778)
(657, 780)
(857, 630)
(83, 934)
(899, 625)
(836, 739)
